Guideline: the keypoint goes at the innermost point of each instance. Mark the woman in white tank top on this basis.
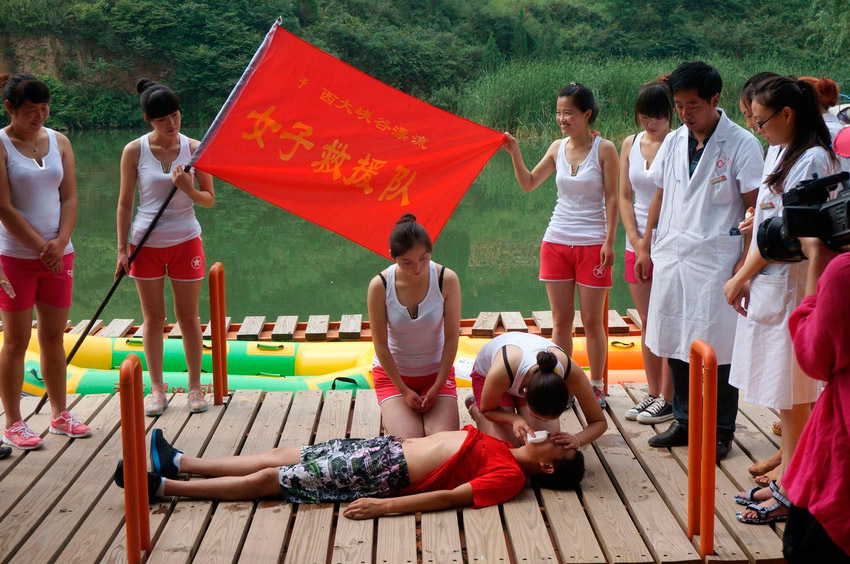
(155, 162)
(414, 315)
(522, 383)
(38, 210)
(578, 247)
(653, 112)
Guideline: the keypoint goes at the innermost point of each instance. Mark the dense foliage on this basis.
(429, 48)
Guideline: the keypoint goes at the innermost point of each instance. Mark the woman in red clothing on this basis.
(818, 478)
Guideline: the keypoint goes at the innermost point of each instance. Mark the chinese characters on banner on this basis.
(311, 134)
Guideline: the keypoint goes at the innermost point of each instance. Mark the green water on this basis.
(277, 263)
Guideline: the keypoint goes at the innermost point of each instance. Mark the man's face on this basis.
(697, 114)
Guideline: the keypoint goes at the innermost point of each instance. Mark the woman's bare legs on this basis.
(399, 420)
(442, 417)
(17, 329)
(562, 301)
(240, 465)
(251, 486)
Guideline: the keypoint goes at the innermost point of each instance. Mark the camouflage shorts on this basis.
(346, 469)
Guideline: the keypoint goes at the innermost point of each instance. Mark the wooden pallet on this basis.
(59, 503)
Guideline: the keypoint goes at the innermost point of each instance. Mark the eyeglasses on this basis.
(760, 124)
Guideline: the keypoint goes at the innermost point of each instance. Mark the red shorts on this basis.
(33, 283)
(507, 400)
(629, 259)
(562, 263)
(385, 389)
(184, 262)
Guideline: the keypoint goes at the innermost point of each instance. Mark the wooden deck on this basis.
(59, 503)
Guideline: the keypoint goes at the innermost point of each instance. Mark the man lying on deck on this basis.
(379, 476)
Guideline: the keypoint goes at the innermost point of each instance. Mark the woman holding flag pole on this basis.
(155, 162)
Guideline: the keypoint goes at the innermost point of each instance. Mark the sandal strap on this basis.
(763, 511)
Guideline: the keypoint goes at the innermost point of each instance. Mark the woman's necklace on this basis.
(31, 148)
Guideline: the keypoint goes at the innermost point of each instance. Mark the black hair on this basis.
(567, 474)
(23, 87)
(698, 76)
(157, 100)
(407, 234)
(654, 100)
(809, 128)
(546, 393)
(582, 98)
(752, 83)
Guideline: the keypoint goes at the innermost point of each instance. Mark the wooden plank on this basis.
(251, 328)
(265, 539)
(38, 498)
(616, 324)
(396, 540)
(99, 519)
(81, 326)
(353, 540)
(652, 516)
(634, 315)
(485, 539)
(762, 418)
(317, 328)
(441, 537)
(183, 531)
(37, 422)
(485, 324)
(116, 328)
(568, 523)
(350, 326)
(193, 439)
(670, 478)
(529, 537)
(262, 437)
(513, 321)
(308, 543)
(140, 332)
(621, 543)
(208, 329)
(284, 327)
(176, 332)
(543, 320)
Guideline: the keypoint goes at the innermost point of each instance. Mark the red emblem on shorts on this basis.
(196, 262)
(599, 271)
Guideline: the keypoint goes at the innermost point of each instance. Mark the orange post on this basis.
(702, 444)
(136, 515)
(218, 307)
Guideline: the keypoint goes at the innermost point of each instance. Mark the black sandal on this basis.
(763, 514)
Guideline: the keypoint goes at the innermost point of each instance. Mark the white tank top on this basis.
(579, 216)
(415, 343)
(529, 343)
(35, 194)
(643, 186)
(178, 224)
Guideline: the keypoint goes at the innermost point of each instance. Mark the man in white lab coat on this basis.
(709, 171)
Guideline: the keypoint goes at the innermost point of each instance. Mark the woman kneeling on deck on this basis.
(414, 314)
(522, 383)
(383, 474)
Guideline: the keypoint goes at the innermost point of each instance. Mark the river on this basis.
(277, 263)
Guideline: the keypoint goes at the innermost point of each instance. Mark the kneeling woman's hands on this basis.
(365, 508)
(565, 440)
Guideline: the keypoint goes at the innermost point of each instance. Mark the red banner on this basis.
(315, 136)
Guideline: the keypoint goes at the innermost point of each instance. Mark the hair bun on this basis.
(546, 361)
(406, 218)
(143, 84)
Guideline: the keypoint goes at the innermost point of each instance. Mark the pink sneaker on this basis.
(19, 435)
(65, 424)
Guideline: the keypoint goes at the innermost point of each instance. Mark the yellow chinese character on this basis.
(382, 124)
(419, 141)
(300, 139)
(399, 185)
(333, 156)
(303, 82)
(327, 97)
(400, 132)
(364, 114)
(344, 105)
(262, 122)
(366, 170)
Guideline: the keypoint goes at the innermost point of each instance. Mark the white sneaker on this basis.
(659, 412)
(632, 414)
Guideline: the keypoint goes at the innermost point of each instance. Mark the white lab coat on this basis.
(763, 358)
(693, 253)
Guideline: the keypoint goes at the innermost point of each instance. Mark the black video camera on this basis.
(807, 213)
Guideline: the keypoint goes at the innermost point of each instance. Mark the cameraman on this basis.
(818, 477)
(786, 113)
